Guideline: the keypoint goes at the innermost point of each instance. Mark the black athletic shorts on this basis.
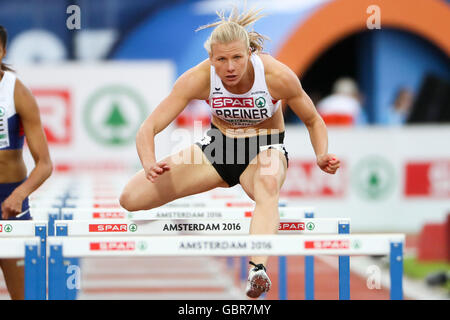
(231, 156)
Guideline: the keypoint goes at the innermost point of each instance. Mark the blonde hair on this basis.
(233, 28)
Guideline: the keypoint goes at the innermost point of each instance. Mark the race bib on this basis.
(4, 137)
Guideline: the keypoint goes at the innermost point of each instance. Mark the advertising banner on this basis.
(390, 179)
(91, 112)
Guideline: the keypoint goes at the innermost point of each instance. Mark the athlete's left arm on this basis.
(284, 84)
(28, 111)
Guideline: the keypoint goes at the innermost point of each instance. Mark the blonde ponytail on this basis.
(233, 28)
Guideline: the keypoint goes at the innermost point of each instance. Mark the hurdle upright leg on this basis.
(243, 269)
(309, 270)
(344, 268)
(396, 271)
(51, 223)
(56, 274)
(70, 293)
(230, 263)
(41, 232)
(31, 273)
(282, 278)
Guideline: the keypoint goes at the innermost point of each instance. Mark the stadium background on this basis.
(96, 84)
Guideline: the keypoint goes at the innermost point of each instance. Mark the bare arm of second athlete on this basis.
(193, 84)
(286, 85)
(28, 111)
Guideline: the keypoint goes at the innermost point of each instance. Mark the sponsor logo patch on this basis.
(113, 246)
(232, 102)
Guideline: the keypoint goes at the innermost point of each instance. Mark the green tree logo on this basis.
(115, 121)
(142, 245)
(373, 178)
(133, 227)
(113, 114)
(310, 226)
(356, 244)
(8, 228)
(260, 102)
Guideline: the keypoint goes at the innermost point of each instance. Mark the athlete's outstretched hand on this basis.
(328, 163)
(155, 170)
(12, 206)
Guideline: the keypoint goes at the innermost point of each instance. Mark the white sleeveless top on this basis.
(247, 109)
(11, 130)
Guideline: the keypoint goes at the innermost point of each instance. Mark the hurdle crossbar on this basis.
(16, 228)
(174, 213)
(191, 226)
(113, 202)
(354, 244)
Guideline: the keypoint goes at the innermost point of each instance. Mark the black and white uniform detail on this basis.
(247, 109)
(231, 156)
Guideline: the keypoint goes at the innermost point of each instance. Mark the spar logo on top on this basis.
(427, 179)
(55, 108)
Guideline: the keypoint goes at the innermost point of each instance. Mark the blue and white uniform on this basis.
(11, 134)
(11, 130)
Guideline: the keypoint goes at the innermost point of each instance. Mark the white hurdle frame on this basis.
(191, 226)
(290, 213)
(270, 245)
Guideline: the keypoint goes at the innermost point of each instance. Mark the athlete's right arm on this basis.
(193, 84)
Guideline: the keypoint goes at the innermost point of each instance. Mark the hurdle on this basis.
(180, 213)
(122, 227)
(190, 226)
(269, 245)
(229, 212)
(12, 230)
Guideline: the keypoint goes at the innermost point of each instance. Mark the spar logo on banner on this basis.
(113, 115)
(112, 227)
(327, 244)
(112, 205)
(306, 180)
(55, 108)
(427, 179)
(112, 246)
(109, 215)
(291, 226)
(373, 178)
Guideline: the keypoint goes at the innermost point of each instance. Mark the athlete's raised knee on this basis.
(129, 202)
